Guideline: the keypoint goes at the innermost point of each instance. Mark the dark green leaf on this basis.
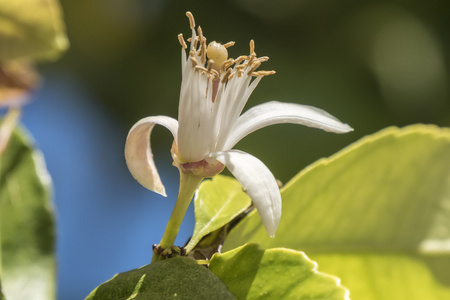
(173, 278)
(1, 292)
(26, 223)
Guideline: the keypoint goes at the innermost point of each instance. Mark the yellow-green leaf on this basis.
(376, 214)
(32, 29)
(253, 273)
(217, 202)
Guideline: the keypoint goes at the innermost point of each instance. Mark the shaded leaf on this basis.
(173, 278)
(1, 292)
(7, 125)
(26, 223)
(376, 214)
(253, 273)
(217, 202)
(31, 29)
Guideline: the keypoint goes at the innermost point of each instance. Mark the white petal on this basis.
(258, 182)
(138, 152)
(274, 112)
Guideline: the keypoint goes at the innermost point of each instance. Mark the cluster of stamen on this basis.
(222, 67)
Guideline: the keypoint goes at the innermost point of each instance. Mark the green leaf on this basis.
(2, 297)
(376, 214)
(173, 278)
(31, 29)
(253, 273)
(26, 223)
(217, 202)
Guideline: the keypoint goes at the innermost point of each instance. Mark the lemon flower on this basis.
(214, 91)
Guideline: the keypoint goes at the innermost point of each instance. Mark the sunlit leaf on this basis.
(217, 202)
(253, 273)
(26, 223)
(376, 214)
(31, 29)
(174, 278)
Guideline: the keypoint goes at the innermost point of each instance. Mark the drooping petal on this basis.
(138, 152)
(258, 182)
(274, 112)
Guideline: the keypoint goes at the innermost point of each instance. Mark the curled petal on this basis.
(138, 152)
(258, 182)
(274, 112)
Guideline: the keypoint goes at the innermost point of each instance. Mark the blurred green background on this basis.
(372, 64)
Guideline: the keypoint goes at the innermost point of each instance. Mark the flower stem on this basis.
(188, 185)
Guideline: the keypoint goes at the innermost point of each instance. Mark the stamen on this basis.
(203, 52)
(200, 33)
(254, 66)
(252, 57)
(214, 75)
(191, 19)
(263, 73)
(181, 40)
(201, 68)
(241, 59)
(229, 44)
(228, 63)
(195, 42)
(192, 56)
(210, 65)
(252, 47)
(266, 73)
(216, 56)
(262, 59)
(202, 40)
(226, 75)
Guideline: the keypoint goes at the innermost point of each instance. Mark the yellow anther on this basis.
(214, 75)
(229, 44)
(181, 40)
(228, 63)
(226, 76)
(191, 19)
(252, 47)
(192, 56)
(251, 59)
(210, 64)
(254, 67)
(201, 68)
(241, 59)
(266, 73)
(262, 59)
(218, 53)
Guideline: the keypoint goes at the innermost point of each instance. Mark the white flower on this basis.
(214, 91)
